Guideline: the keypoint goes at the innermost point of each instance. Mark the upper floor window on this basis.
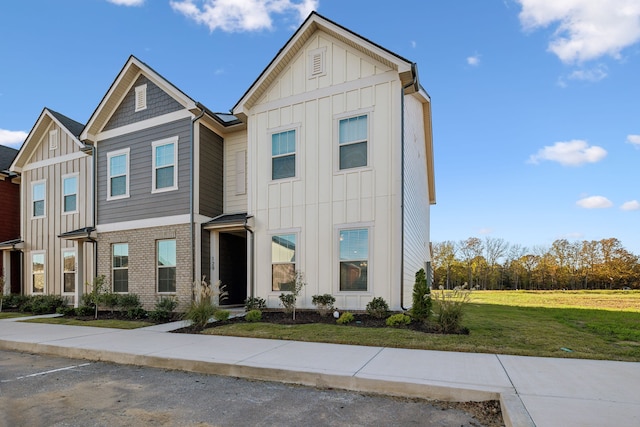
(165, 167)
(141, 97)
(354, 259)
(283, 262)
(118, 174)
(70, 193)
(38, 192)
(353, 136)
(283, 155)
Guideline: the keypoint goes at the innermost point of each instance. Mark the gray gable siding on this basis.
(211, 173)
(141, 203)
(158, 103)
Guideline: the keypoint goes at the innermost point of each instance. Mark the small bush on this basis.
(163, 309)
(14, 301)
(289, 300)
(200, 312)
(84, 310)
(253, 316)
(254, 303)
(43, 304)
(131, 306)
(450, 310)
(109, 300)
(66, 310)
(421, 309)
(345, 318)
(324, 303)
(398, 320)
(378, 308)
(221, 315)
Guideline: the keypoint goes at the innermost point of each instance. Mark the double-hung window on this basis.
(283, 155)
(118, 174)
(354, 259)
(283, 262)
(353, 137)
(120, 266)
(70, 193)
(38, 192)
(165, 168)
(37, 272)
(166, 250)
(69, 270)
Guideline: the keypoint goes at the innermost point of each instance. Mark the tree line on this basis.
(493, 263)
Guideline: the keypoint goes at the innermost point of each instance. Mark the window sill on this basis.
(164, 190)
(117, 198)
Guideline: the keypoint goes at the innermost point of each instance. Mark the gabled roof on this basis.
(120, 87)
(69, 126)
(7, 154)
(287, 53)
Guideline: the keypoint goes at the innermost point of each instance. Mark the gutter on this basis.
(191, 193)
(416, 85)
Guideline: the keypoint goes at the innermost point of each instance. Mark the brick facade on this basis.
(143, 259)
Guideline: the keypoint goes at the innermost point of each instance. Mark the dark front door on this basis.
(233, 266)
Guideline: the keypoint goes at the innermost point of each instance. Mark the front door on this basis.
(232, 265)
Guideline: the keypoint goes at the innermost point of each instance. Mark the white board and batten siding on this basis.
(41, 234)
(322, 199)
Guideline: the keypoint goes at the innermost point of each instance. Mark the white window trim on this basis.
(75, 271)
(158, 267)
(44, 272)
(77, 177)
(297, 153)
(297, 263)
(116, 153)
(173, 140)
(370, 264)
(336, 129)
(140, 99)
(44, 210)
(119, 268)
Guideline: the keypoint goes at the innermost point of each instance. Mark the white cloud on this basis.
(634, 140)
(594, 202)
(413, 44)
(632, 205)
(485, 231)
(571, 153)
(241, 15)
(127, 2)
(473, 60)
(584, 29)
(12, 138)
(594, 74)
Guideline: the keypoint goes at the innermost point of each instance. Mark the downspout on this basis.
(251, 254)
(191, 195)
(414, 82)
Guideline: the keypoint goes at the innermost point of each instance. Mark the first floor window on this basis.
(69, 271)
(37, 273)
(166, 265)
(38, 190)
(354, 259)
(69, 193)
(283, 155)
(353, 142)
(283, 262)
(120, 265)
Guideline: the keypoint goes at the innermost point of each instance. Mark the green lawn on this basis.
(12, 314)
(586, 324)
(108, 323)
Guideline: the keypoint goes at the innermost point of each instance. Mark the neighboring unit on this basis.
(57, 222)
(340, 163)
(10, 224)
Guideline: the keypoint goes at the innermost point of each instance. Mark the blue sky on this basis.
(536, 103)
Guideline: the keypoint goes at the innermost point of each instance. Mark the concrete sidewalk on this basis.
(533, 391)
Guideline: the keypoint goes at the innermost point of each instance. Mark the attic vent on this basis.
(317, 62)
(141, 97)
(53, 139)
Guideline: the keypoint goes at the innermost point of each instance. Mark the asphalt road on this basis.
(39, 390)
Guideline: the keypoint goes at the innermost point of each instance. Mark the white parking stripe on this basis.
(49, 372)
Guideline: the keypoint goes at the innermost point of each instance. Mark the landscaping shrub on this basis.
(200, 312)
(451, 307)
(378, 308)
(324, 303)
(163, 309)
(84, 310)
(398, 320)
(221, 315)
(253, 316)
(422, 303)
(131, 306)
(254, 303)
(42, 304)
(66, 310)
(14, 301)
(345, 318)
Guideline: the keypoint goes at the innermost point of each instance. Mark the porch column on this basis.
(6, 267)
(79, 273)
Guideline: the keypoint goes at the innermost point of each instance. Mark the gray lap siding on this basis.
(142, 203)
